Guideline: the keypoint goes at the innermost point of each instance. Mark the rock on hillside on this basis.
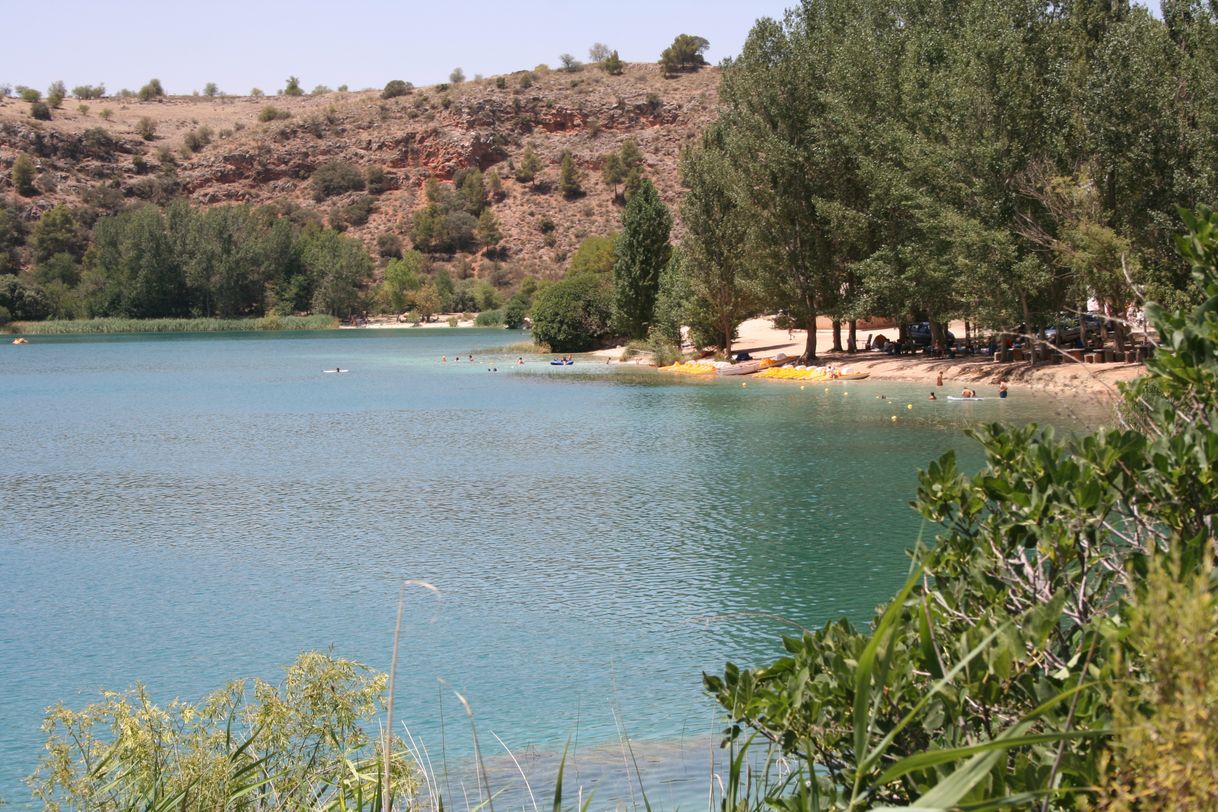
(97, 157)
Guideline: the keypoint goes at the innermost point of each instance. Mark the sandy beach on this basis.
(761, 339)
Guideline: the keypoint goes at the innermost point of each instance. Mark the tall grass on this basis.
(117, 325)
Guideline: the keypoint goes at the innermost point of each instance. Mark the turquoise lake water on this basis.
(184, 510)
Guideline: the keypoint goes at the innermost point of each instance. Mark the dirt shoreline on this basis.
(761, 339)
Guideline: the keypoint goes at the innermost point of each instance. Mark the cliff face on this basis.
(96, 157)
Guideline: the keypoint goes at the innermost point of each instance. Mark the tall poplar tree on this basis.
(642, 252)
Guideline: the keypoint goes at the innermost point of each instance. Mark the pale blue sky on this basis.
(361, 43)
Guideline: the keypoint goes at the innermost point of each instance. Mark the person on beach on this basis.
(1002, 389)
(939, 379)
(932, 396)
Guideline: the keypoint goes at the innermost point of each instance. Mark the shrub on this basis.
(515, 311)
(685, 54)
(23, 176)
(126, 93)
(83, 109)
(389, 245)
(28, 94)
(210, 90)
(320, 90)
(336, 178)
(40, 111)
(273, 113)
(357, 212)
(569, 177)
(526, 80)
(599, 52)
(106, 114)
(292, 88)
(152, 90)
(573, 315)
(89, 92)
(375, 182)
(500, 82)
(146, 128)
(489, 318)
(5, 91)
(613, 65)
(256, 93)
(198, 138)
(569, 63)
(457, 76)
(395, 88)
(546, 225)
(98, 143)
(56, 93)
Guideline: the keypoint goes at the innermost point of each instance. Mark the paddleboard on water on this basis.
(332, 371)
(957, 397)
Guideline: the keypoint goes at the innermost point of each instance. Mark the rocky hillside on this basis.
(94, 154)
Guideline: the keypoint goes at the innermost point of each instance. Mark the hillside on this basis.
(96, 158)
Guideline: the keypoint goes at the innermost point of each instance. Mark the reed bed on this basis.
(117, 325)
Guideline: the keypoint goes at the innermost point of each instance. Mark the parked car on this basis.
(919, 333)
(1066, 330)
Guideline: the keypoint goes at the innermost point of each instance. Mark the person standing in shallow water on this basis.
(939, 379)
(1002, 389)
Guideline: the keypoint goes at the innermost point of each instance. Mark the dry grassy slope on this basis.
(413, 137)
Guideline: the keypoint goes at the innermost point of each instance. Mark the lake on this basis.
(185, 510)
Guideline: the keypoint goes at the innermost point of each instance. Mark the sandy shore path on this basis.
(761, 339)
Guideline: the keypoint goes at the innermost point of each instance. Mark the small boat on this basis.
(960, 399)
(336, 369)
(562, 362)
(743, 368)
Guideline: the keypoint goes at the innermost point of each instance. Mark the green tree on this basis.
(40, 111)
(642, 252)
(56, 93)
(613, 64)
(292, 88)
(403, 277)
(395, 88)
(457, 76)
(574, 314)
(340, 267)
(596, 255)
(428, 301)
(153, 91)
(598, 53)
(211, 90)
(725, 290)
(528, 167)
(569, 63)
(56, 232)
(684, 54)
(487, 232)
(569, 177)
(23, 175)
(515, 311)
(335, 178)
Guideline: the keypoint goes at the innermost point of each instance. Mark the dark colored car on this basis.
(919, 333)
(1066, 330)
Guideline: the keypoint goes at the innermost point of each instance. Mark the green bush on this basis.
(388, 245)
(375, 180)
(500, 82)
(198, 138)
(56, 93)
(457, 76)
(152, 90)
(574, 314)
(293, 88)
(89, 92)
(489, 318)
(211, 90)
(28, 94)
(23, 299)
(272, 113)
(146, 128)
(40, 111)
(395, 88)
(336, 178)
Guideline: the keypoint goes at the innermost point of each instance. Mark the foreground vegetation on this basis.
(1053, 647)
